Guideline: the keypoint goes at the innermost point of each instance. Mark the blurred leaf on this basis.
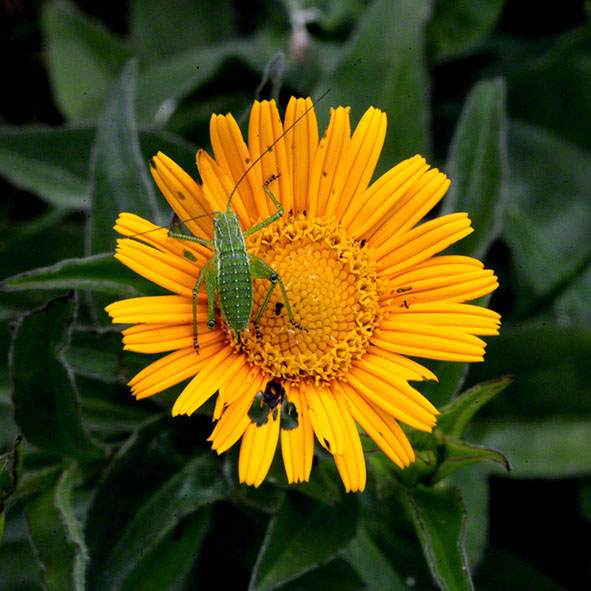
(161, 28)
(477, 166)
(302, 535)
(455, 416)
(53, 163)
(44, 392)
(83, 59)
(55, 532)
(551, 365)
(157, 479)
(167, 565)
(19, 570)
(573, 306)
(119, 180)
(550, 448)
(550, 88)
(336, 575)
(383, 65)
(439, 516)
(548, 218)
(457, 27)
(162, 86)
(100, 273)
(371, 563)
(506, 572)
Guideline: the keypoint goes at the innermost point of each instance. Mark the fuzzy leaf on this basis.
(45, 396)
(83, 58)
(477, 166)
(157, 479)
(455, 416)
(302, 535)
(387, 48)
(56, 535)
(457, 454)
(438, 515)
(100, 273)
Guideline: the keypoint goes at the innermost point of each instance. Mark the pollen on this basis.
(332, 290)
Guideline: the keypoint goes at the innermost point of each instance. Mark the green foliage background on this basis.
(100, 492)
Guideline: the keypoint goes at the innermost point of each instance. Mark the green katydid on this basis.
(231, 269)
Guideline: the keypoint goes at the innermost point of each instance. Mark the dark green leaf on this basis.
(439, 516)
(55, 532)
(477, 166)
(302, 535)
(157, 480)
(370, 562)
(387, 49)
(455, 416)
(457, 27)
(83, 57)
(19, 570)
(549, 238)
(473, 484)
(153, 20)
(167, 565)
(551, 448)
(336, 575)
(551, 365)
(44, 392)
(550, 86)
(100, 273)
(161, 87)
(54, 162)
(457, 454)
(119, 180)
(508, 572)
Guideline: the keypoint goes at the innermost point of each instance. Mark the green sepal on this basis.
(460, 453)
(455, 416)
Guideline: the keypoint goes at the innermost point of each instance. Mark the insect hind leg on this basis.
(261, 270)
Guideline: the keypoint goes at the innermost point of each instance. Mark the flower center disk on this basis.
(332, 289)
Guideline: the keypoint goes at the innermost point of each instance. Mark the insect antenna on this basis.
(203, 215)
(269, 149)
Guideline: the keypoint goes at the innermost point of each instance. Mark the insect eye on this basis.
(211, 323)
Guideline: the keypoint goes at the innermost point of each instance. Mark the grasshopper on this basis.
(231, 269)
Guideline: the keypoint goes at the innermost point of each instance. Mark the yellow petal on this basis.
(297, 445)
(301, 141)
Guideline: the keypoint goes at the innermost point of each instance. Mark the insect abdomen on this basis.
(235, 292)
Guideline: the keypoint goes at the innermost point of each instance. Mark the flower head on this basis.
(365, 285)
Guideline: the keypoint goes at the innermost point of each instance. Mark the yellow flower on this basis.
(362, 278)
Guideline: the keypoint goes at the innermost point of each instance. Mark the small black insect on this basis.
(278, 307)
